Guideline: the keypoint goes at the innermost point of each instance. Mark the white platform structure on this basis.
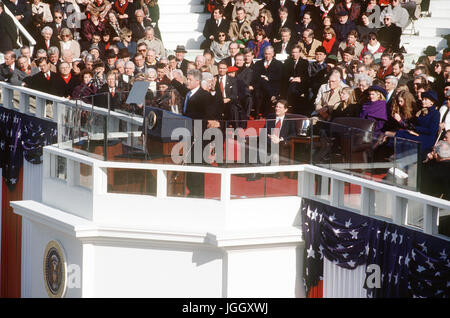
(128, 245)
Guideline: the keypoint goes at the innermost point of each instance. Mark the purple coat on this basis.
(375, 111)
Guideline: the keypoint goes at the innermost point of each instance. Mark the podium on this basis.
(160, 123)
(158, 127)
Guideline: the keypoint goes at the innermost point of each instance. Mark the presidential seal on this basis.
(55, 270)
(151, 120)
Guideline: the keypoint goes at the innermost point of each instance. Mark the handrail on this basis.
(22, 30)
(25, 92)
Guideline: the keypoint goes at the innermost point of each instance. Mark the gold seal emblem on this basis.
(151, 120)
(55, 270)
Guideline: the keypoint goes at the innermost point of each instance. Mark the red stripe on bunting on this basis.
(11, 232)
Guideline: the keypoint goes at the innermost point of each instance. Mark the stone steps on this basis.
(181, 23)
(429, 30)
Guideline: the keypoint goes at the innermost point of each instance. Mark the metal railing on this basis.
(21, 31)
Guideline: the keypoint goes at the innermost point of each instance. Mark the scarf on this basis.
(373, 49)
(326, 10)
(328, 44)
(120, 9)
(67, 80)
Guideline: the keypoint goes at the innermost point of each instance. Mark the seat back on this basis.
(302, 123)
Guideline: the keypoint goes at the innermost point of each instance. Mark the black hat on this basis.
(110, 54)
(342, 13)
(378, 89)
(123, 52)
(430, 51)
(431, 95)
(180, 48)
(331, 59)
(321, 49)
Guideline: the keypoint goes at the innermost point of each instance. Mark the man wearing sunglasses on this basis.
(58, 23)
(389, 35)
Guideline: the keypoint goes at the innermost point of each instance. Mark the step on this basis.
(181, 26)
(441, 13)
(181, 8)
(195, 18)
(433, 22)
(432, 31)
(423, 40)
(436, 5)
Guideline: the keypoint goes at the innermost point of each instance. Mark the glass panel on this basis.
(260, 185)
(383, 204)
(365, 154)
(82, 175)
(352, 196)
(59, 168)
(131, 181)
(322, 187)
(414, 212)
(193, 185)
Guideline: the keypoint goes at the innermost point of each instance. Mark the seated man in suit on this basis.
(309, 45)
(286, 44)
(22, 70)
(279, 130)
(7, 68)
(139, 25)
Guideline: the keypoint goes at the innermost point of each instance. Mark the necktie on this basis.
(283, 48)
(47, 76)
(112, 92)
(266, 64)
(186, 100)
(277, 128)
(221, 87)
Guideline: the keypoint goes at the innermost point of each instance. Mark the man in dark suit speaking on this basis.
(197, 105)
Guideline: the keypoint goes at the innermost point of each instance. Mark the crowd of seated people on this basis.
(326, 58)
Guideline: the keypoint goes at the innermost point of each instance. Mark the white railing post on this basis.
(40, 107)
(7, 97)
(24, 102)
(337, 192)
(161, 183)
(430, 218)
(398, 208)
(367, 201)
(225, 186)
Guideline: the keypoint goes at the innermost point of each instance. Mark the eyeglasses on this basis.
(221, 35)
(58, 17)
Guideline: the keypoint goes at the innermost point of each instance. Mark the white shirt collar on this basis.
(193, 91)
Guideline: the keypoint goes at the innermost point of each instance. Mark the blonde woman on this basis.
(126, 42)
(263, 22)
(348, 106)
(68, 43)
